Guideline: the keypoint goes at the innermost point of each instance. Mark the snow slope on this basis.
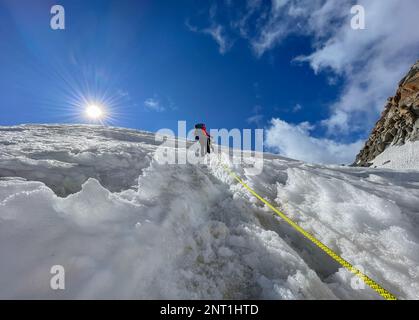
(96, 201)
(404, 157)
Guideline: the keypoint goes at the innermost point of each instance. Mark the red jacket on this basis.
(205, 131)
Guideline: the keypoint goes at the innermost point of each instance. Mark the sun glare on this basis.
(94, 112)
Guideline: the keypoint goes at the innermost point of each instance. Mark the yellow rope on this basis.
(374, 285)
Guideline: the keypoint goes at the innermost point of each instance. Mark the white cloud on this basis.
(371, 62)
(123, 93)
(215, 30)
(191, 27)
(295, 141)
(297, 108)
(154, 104)
(256, 119)
(218, 34)
(285, 17)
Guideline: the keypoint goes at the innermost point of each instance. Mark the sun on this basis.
(95, 112)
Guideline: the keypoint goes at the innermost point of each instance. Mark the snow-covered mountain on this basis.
(394, 141)
(95, 200)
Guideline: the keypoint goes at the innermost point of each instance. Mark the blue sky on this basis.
(292, 67)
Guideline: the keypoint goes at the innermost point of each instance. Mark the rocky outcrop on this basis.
(399, 121)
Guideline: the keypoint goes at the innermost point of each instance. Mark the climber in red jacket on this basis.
(204, 138)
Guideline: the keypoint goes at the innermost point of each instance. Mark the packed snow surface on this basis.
(96, 201)
(405, 157)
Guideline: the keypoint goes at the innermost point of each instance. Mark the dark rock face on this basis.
(399, 121)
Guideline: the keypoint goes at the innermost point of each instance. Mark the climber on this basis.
(204, 139)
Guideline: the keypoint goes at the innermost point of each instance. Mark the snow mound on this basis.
(124, 226)
(74, 154)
